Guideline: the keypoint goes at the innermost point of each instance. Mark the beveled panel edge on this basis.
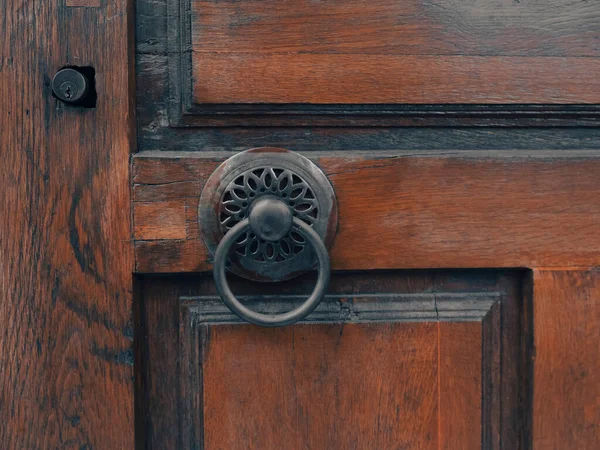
(357, 308)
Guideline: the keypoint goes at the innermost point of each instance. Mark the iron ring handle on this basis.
(268, 320)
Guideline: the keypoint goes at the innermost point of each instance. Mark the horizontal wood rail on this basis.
(439, 209)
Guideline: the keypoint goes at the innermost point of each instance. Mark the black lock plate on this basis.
(74, 86)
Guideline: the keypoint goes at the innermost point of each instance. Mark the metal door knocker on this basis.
(268, 214)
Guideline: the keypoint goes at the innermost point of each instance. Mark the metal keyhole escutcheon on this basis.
(269, 215)
(70, 86)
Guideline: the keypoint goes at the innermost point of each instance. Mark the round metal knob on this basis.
(257, 318)
(270, 218)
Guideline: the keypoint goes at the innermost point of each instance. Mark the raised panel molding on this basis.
(344, 308)
(476, 325)
(166, 85)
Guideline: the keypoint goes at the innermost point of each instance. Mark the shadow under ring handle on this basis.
(269, 320)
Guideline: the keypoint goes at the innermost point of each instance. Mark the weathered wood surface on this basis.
(466, 134)
(66, 331)
(385, 51)
(408, 210)
(566, 386)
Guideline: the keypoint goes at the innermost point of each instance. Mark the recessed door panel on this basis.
(388, 360)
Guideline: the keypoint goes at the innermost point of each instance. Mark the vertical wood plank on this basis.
(66, 363)
(460, 381)
(159, 365)
(566, 390)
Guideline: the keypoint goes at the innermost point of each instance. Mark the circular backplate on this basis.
(237, 183)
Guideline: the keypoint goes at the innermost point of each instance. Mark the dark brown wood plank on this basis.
(492, 371)
(352, 52)
(566, 395)
(410, 27)
(515, 383)
(170, 388)
(171, 256)
(421, 209)
(164, 34)
(158, 366)
(66, 362)
(392, 79)
(423, 134)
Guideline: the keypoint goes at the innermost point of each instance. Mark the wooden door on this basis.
(485, 351)
(463, 146)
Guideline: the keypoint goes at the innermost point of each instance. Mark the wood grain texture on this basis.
(391, 79)
(167, 32)
(415, 210)
(460, 368)
(171, 393)
(163, 220)
(566, 387)
(524, 136)
(84, 3)
(411, 27)
(331, 386)
(371, 383)
(66, 362)
(349, 52)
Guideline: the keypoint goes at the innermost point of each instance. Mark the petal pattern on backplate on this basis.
(281, 183)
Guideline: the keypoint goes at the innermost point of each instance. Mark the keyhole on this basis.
(68, 89)
(75, 86)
